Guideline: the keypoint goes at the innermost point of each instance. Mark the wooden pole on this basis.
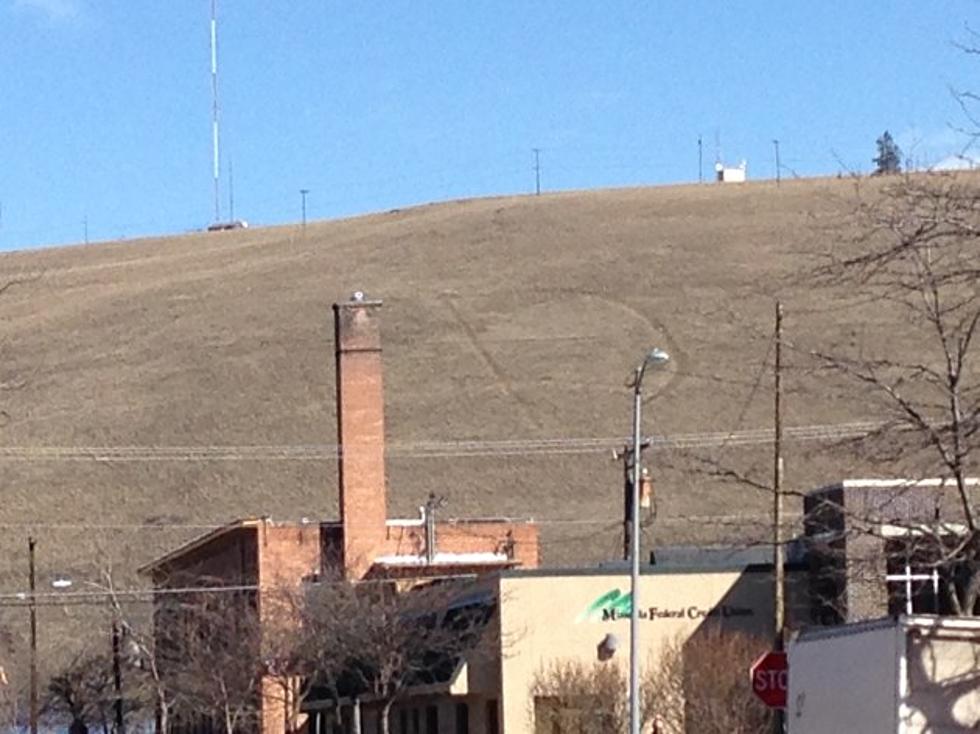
(778, 560)
(777, 486)
(33, 614)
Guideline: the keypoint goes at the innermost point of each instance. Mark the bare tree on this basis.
(220, 667)
(150, 659)
(574, 698)
(704, 680)
(374, 640)
(82, 692)
(915, 250)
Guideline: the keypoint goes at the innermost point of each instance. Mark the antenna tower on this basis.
(214, 107)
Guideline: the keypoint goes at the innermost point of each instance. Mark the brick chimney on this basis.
(360, 431)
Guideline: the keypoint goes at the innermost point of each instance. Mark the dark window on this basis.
(827, 582)
(432, 720)
(416, 721)
(402, 721)
(917, 582)
(462, 718)
(493, 720)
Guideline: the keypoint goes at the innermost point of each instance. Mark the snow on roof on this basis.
(444, 559)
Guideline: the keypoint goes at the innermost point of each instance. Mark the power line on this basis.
(428, 449)
(744, 517)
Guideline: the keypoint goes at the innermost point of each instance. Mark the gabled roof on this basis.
(200, 542)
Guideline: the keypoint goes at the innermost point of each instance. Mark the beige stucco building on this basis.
(548, 615)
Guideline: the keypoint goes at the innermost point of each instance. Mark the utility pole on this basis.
(117, 679)
(626, 456)
(31, 585)
(779, 580)
(700, 160)
(778, 166)
(231, 191)
(537, 171)
(85, 227)
(303, 193)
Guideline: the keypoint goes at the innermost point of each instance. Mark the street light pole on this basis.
(635, 558)
(656, 357)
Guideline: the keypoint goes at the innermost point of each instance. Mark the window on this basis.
(462, 718)
(432, 720)
(916, 583)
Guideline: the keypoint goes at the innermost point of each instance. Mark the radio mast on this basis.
(214, 107)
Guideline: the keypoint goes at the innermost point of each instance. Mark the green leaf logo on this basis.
(611, 605)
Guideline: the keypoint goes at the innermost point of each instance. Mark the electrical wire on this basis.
(429, 449)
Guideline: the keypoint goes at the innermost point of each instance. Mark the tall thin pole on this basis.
(779, 580)
(117, 679)
(777, 483)
(537, 171)
(303, 193)
(33, 614)
(634, 692)
(214, 107)
(231, 191)
(85, 227)
(700, 160)
(627, 502)
(779, 168)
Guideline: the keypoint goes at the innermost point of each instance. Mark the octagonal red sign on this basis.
(770, 679)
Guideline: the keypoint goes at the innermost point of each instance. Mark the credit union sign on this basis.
(615, 604)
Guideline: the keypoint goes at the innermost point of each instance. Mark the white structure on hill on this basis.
(730, 175)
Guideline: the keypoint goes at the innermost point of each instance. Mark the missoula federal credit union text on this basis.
(615, 604)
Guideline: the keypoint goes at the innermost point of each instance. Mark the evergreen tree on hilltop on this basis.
(889, 159)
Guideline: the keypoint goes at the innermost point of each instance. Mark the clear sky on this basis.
(106, 104)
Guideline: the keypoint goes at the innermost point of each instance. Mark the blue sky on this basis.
(106, 104)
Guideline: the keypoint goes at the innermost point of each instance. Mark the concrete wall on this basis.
(550, 618)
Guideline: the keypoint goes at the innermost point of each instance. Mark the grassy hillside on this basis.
(504, 319)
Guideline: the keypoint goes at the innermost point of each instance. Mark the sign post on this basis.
(770, 679)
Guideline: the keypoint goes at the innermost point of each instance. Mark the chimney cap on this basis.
(358, 299)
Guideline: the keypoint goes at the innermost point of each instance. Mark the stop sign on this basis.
(770, 679)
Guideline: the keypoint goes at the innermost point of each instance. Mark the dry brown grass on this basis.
(504, 318)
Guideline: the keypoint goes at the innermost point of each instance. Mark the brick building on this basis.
(364, 543)
(871, 547)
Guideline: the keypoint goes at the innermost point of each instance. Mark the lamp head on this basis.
(657, 357)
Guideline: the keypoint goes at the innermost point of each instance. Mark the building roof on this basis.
(969, 625)
(683, 559)
(892, 484)
(200, 542)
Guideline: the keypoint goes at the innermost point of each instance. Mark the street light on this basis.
(654, 358)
